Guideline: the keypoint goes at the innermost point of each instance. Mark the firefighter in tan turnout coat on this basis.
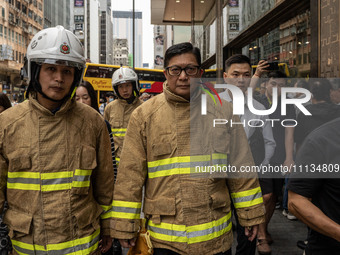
(126, 87)
(55, 165)
(186, 215)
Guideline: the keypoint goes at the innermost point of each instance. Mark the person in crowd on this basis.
(109, 97)
(185, 215)
(301, 83)
(322, 110)
(284, 150)
(126, 87)
(55, 168)
(5, 103)
(335, 91)
(262, 144)
(314, 197)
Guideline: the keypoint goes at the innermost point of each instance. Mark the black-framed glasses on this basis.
(189, 70)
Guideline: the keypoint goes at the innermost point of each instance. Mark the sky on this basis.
(144, 6)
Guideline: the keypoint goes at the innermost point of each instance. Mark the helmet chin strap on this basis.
(37, 87)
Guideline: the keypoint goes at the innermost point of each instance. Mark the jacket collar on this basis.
(124, 102)
(66, 106)
(172, 97)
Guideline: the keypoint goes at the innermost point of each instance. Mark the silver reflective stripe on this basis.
(126, 209)
(24, 180)
(177, 165)
(247, 198)
(82, 178)
(56, 181)
(219, 161)
(209, 230)
(167, 231)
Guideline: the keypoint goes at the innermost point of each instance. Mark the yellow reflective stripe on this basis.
(246, 193)
(34, 175)
(219, 156)
(249, 203)
(117, 159)
(81, 184)
(119, 129)
(247, 198)
(190, 234)
(183, 159)
(56, 175)
(53, 187)
(79, 246)
(126, 204)
(23, 186)
(123, 215)
(107, 211)
(169, 172)
(82, 172)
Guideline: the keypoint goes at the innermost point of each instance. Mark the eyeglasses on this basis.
(177, 70)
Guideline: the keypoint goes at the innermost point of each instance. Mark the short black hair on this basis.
(109, 94)
(92, 94)
(320, 89)
(276, 74)
(236, 59)
(179, 49)
(303, 84)
(4, 101)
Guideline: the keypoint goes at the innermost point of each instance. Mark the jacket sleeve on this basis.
(130, 180)
(3, 173)
(104, 178)
(244, 187)
(269, 142)
(107, 113)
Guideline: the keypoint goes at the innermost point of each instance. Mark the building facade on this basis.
(106, 33)
(120, 52)
(19, 21)
(122, 29)
(85, 23)
(57, 13)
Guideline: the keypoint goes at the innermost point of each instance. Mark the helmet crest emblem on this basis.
(120, 76)
(64, 48)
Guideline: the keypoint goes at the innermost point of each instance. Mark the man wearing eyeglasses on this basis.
(186, 214)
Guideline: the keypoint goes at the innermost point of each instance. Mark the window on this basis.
(24, 9)
(12, 35)
(19, 57)
(5, 32)
(9, 34)
(30, 13)
(16, 37)
(1, 30)
(3, 12)
(40, 6)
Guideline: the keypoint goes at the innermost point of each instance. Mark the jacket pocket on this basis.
(159, 207)
(82, 176)
(220, 204)
(20, 163)
(19, 223)
(160, 149)
(221, 140)
(89, 217)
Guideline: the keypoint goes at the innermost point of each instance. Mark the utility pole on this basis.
(133, 34)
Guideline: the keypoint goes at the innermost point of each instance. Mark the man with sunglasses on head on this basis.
(186, 214)
(55, 162)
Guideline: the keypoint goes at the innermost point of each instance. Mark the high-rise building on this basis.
(120, 52)
(57, 13)
(122, 29)
(106, 33)
(19, 21)
(85, 23)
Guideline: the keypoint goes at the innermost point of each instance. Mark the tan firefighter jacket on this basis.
(188, 215)
(57, 176)
(118, 113)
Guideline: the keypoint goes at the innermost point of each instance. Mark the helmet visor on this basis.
(60, 62)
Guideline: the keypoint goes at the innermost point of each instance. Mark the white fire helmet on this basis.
(124, 75)
(56, 46)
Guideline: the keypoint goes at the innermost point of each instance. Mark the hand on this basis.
(261, 68)
(105, 243)
(251, 232)
(125, 243)
(289, 163)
